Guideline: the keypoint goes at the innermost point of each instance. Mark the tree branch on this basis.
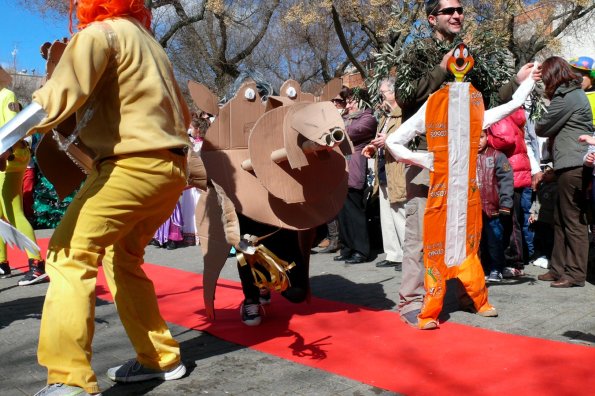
(344, 44)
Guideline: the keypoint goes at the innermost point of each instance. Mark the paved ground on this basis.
(216, 367)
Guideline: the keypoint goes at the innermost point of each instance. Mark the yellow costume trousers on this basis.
(110, 221)
(11, 205)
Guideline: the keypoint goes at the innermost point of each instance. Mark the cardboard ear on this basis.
(330, 90)
(54, 54)
(203, 98)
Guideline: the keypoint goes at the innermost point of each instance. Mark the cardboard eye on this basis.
(457, 53)
(465, 52)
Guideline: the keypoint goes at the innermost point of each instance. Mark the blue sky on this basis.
(27, 31)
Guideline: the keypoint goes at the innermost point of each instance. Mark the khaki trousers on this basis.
(110, 221)
(412, 292)
(392, 223)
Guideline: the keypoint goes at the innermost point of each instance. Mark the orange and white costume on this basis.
(452, 120)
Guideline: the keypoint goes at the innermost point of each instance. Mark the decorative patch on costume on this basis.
(14, 107)
(438, 190)
(434, 249)
(435, 277)
(473, 239)
(473, 185)
(507, 167)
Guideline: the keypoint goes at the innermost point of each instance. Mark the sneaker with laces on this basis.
(495, 276)
(36, 273)
(4, 270)
(63, 390)
(133, 371)
(250, 313)
(510, 272)
(265, 297)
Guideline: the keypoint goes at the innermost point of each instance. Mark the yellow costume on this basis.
(11, 192)
(132, 115)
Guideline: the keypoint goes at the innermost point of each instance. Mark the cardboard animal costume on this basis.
(452, 120)
(278, 163)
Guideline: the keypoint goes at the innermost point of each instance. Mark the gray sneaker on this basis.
(411, 317)
(133, 371)
(63, 390)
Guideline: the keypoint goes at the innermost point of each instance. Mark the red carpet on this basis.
(376, 348)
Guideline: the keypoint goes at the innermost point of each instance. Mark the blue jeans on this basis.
(492, 244)
(526, 198)
(520, 248)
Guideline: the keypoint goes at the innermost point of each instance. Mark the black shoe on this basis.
(356, 258)
(387, 263)
(399, 266)
(154, 242)
(170, 245)
(342, 257)
(4, 270)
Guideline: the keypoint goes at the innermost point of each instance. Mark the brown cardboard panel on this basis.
(203, 98)
(252, 199)
(53, 56)
(57, 167)
(311, 122)
(236, 118)
(5, 78)
(243, 114)
(277, 101)
(322, 171)
(213, 245)
(330, 90)
(293, 90)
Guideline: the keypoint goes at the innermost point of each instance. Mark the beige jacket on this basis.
(119, 71)
(395, 171)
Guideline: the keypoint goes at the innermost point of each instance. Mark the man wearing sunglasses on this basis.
(446, 19)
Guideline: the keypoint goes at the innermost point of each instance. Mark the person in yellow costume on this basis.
(11, 188)
(452, 119)
(132, 115)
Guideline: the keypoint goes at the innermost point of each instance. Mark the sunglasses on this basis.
(450, 11)
(341, 101)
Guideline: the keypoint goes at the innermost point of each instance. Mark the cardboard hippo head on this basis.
(279, 162)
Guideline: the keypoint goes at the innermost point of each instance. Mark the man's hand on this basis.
(445, 59)
(369, 151)
(379, 140)
(525, 71)
(590, 159)
(535, 180)
(587, 139)
(532, 218)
